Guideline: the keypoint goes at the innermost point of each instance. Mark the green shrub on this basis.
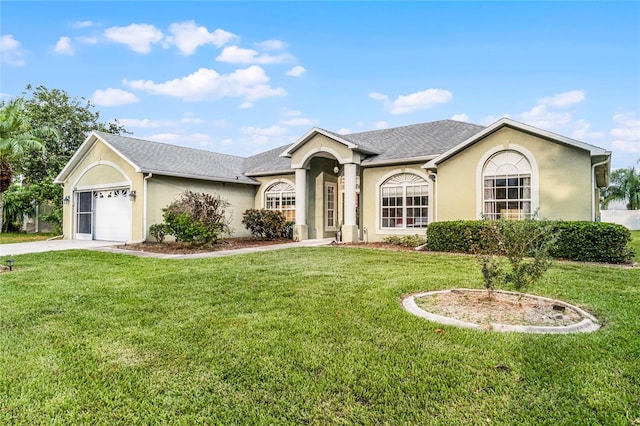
(592, 242)
(266, 224)
(405, 240)
(581, 241)
(197, 217)
(158, 231)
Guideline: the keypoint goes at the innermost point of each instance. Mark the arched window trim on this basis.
(535, 200)
(281, 196)
(403, 178)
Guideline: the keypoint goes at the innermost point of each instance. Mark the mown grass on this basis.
(307, 335)
(635, 244)
(21, 237)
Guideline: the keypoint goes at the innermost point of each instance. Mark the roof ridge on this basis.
(409, 125)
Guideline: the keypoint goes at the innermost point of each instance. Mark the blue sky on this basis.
(244, 77)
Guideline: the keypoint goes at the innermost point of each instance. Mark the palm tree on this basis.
(17, 137)
(625, 186)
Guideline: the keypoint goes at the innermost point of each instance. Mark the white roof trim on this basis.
(83, 150)
(200, 177)
(311, 133)
(593, 150)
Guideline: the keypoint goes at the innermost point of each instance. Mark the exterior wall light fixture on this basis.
(132, 194)
(66, 199)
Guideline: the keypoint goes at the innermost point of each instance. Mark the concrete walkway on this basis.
(115, 247)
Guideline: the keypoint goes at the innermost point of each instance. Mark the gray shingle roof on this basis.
(174, 160)
(268, 161)
(417, 140)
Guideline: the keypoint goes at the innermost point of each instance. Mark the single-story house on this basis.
(369, 185)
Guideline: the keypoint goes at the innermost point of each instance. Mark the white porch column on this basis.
(350, 229)
(301, 232)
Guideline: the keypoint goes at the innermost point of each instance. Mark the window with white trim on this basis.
(281, 197)
(330, 205)
(404, 202)
(506, 188)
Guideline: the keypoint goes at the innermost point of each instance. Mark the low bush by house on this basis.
(267, 224)
(577, 240)
(405, 240)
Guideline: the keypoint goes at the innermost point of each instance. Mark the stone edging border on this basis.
(587, 325)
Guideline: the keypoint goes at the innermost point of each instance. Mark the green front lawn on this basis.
(307, 335)
(635, 244)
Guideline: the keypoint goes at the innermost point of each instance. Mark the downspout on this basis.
(144, 206)
(593, 186)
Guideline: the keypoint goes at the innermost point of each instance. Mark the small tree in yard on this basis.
(514, 252)
(197, 217)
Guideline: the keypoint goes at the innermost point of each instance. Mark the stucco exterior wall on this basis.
(564, 178)
(322, 144)
(102, 168)
(162, 190)
(372, 177)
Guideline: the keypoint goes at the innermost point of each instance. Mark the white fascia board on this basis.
(391, 162)
(310, 134)
(271, 173)
(200, 177)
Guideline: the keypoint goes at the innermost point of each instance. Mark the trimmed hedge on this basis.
(581, 241)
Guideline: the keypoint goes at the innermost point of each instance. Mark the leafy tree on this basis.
(625, 186)
(18, 138)
(73, 118)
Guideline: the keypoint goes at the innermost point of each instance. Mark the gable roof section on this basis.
(165, 159)
(361, 147)
(594, 151)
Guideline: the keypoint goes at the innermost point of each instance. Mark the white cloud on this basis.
(144, 123)
(378, 96)
(299, 121)
(539, 116)
(460, 117)
(12, 53)
(187, 37)
(490, 119)
(191, 120)
(627, 132)
(239, 55)
(272, 45)
(564, 99)
(582, 131)
(83, 24)
(63, 46)
(87, 40)
(296, 71)
(139, 37)
(291, 113)
(206, 84)
(344, 131)
(404, 104)
(113, 97)
(246, 105)
(380, 125)
(264, 135)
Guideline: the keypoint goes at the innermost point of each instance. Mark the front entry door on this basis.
(84, 215)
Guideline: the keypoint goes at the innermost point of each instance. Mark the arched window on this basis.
(281, 197)
(404, 200)
(506, 180)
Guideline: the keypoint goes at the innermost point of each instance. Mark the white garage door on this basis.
(112, 215)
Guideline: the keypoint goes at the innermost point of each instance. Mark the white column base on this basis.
(350, 233)
(300, 232)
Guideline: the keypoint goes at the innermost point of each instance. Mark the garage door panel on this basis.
(112, 215)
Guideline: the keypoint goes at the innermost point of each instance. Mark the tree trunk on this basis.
(1, 210)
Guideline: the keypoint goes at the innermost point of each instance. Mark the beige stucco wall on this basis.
(564, 177)
(162, 190)
(372, 177)
(101, 168)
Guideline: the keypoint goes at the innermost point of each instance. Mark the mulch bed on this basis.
(188, 248)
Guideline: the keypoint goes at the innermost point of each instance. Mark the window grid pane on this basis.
(507, 197)
(404, 206)
(282, 201)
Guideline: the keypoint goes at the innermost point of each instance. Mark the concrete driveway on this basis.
(53, 245)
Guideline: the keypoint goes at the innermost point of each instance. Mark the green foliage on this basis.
(158, 231)
(20, 200)
(576, 240)
(592, 242)
(526, 245)
(197, 217)
(405, 240)
(288, 229)
(17, 202)
(485, 245)
(72, 118)
(266, 224)
(625, 186)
